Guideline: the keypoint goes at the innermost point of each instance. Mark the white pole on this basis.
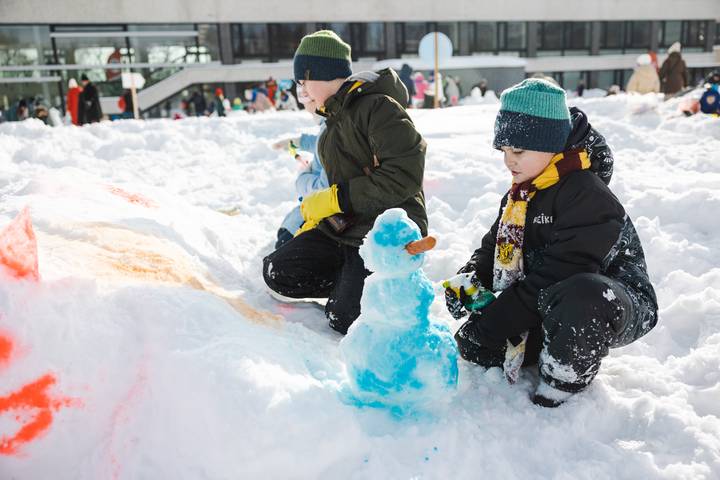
(436, 103)
(133, 94)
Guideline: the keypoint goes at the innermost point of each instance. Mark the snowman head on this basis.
(384, 250)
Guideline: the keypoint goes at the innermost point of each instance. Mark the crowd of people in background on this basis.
(265, 96)
(82, 102)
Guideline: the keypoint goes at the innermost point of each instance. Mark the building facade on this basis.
(45, 43)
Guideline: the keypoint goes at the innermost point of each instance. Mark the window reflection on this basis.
(25, 45)
(284, 39)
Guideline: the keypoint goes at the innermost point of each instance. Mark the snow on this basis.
(397, 357)
(153, 319)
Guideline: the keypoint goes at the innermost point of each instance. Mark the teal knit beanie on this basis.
(533, 116)
(322, 56)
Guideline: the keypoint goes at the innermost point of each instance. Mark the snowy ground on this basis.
(170, 360)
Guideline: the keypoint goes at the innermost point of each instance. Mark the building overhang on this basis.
(247, 11)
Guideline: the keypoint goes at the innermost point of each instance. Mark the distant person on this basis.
(580, 88)
(73, 101)
(613, 90)
(259, 101)
(645, 78)
(271, 88)
(89, 110)
(429, 101)
(420, 86)
(237, 104)
(483, 87)
(286, 101)
(22, 112)
(452, 91)
(406, 78)
(674, 72)
(710, 100)
(654, 60)
(218, 103)
(126, 105)
(199, 104)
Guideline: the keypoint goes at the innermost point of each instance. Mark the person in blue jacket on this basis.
(311, 178)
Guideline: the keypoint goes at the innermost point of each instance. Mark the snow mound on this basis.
(143, 341)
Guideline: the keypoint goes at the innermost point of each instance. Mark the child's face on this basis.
(525, 164)
(313, 93)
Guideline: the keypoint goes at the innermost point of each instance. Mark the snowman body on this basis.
(397, 357)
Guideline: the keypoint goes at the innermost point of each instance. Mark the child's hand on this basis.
(285, 143)
(454, 303)
(464, 294)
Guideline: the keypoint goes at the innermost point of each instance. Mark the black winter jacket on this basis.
(575, 226)
(584, 136)
(89, 109)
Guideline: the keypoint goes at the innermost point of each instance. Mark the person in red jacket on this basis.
(73, 96)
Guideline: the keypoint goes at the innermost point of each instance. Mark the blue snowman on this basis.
(397, 357)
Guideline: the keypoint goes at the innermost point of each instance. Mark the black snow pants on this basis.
(582, 318)
(312, 265)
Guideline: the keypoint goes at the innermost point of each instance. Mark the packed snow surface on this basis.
(153, 351)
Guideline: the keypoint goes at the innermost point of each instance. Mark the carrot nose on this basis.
(421, 246)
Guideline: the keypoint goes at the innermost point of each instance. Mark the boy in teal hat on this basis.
(563, 258)
(374, 159)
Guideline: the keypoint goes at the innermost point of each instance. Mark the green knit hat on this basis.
(533, 116)
(322, 56)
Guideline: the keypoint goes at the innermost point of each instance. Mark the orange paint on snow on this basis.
(135, 198)
(18, 248)
(33, 397)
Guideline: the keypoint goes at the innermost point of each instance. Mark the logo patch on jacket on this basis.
(543, 219)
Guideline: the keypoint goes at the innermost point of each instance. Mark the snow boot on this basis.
(549, 397)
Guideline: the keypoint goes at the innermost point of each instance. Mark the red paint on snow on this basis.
(6, 348)
(33, 408)
(135, 198)
(122, 413)
(18, 248)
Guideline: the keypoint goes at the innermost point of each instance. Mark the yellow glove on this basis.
(320, 204)
(308, 225)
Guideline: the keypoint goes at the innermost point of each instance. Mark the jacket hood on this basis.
(384, 82)
(580, 128)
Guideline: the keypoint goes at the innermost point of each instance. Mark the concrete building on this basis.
(177, 44)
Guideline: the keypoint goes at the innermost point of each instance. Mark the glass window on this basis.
(285, 38)
(411, 34)
(25, 45)
(251, 40)
(343, 31)
(550, 36)
(170, 49)
(577, 36)
(612, 35)
(693, 34)
(669, 33)
(208, 41)
(369, 38)
(605, 78)
(637, 35)
(452, 30)
(485, 37)
(515, 36)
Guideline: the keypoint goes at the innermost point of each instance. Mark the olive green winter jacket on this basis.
(372, 151)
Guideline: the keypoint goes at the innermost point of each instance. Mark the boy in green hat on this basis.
(374, 159)
(563, 257)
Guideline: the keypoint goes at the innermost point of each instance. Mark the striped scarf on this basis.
(508, 264)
